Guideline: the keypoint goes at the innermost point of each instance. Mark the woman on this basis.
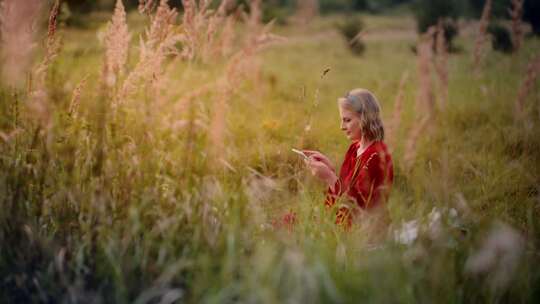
(366, 174)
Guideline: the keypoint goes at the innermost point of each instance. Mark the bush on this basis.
(451, 30)
(278, 13)
(429, 12)
(501, 38)
(350, 29)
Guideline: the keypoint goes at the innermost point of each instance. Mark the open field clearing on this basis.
(146, 158)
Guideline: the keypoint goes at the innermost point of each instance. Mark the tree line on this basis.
(427, 11)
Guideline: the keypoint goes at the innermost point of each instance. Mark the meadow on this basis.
(146, 158)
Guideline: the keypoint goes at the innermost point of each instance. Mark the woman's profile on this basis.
(366, 175)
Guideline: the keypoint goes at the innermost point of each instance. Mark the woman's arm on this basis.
(322, 171)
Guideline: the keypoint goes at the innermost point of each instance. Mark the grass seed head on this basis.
(117, 42)
(441, 64)
(516, 14)
(18, 22)
(482, 36)
(533, 69)
(425, 101)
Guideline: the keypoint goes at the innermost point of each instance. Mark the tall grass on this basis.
(482, 36)
(162, 167)
(516, 13)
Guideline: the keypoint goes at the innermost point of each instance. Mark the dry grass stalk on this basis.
(225, 45)
(202, 28)
(482, 36)
(18, 21)
(145, 6)
(425, 101)
(533, 69)
(398, 110)
(409, 155)
(215, 21)
(52, 45)
(39, 104)
(441, 64)
(76, 97)
(116, 44)
(162, 24)
(217, 125)
(240, 67)
(194, 19)
(158, 41)
(517, 28)
(255, 17)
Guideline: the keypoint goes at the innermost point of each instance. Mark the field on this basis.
(158, 169)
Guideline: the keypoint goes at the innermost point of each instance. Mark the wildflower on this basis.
(408, 233)
(435, 223)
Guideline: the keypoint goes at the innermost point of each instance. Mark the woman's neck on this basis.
(363, 145)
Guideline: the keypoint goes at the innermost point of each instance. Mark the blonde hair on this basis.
(365, 104)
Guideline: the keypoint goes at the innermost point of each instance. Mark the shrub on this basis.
(501, 38)
(429, 12)
(451, 30)
(350, 29)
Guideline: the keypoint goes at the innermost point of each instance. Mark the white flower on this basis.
(435, 223)
(408, 233)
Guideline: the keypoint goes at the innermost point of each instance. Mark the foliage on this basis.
(429, 12)
(276, 11)
(501, 38)
(531, 13)
(351, 28)
(451, 30)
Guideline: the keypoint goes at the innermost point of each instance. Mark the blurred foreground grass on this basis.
(158, 222)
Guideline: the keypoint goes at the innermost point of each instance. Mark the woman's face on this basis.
(350, 123)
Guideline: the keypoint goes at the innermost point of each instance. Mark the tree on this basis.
(531, 13)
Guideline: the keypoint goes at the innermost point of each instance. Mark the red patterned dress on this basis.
(364, 179)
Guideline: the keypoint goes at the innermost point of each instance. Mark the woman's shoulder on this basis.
(377, 149)
(351, 151)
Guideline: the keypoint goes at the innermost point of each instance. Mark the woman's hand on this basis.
(318, 156)
(321, 170)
